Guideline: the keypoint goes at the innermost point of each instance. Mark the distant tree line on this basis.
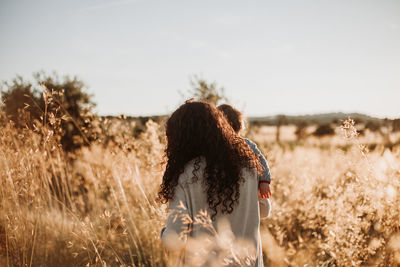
(64, 105)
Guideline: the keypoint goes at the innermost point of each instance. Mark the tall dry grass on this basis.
(96, 207)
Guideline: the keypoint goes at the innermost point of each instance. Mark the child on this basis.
(234, 118)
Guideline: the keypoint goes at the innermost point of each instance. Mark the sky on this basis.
(272, 57)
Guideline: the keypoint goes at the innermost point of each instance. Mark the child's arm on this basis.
(265, 175)
(265, 178)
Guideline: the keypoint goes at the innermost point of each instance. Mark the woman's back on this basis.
(228, 191)
(230, 238)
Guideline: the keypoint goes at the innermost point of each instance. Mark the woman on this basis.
(210, 183)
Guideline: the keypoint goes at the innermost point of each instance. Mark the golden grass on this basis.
(331, 207)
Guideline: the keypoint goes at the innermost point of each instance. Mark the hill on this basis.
(323, 118)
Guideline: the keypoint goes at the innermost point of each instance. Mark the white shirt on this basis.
(230, 239)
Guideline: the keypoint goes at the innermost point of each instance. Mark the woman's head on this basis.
(191, 127)
(233, 116)
(197, 129)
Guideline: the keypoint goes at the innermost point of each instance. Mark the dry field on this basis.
(334, 202)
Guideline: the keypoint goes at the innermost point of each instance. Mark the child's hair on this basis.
(233, 116)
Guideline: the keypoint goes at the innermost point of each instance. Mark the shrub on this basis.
(205, 91)
(301, 130)
(48, 98)
(324, 130)
(372, 126)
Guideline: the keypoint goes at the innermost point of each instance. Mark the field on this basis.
(335, 199)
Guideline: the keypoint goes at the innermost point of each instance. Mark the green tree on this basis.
(396, 125)
(47, 99)
(324, 130)
(373, 126)
(18, 99)
(205, 91)
(301, 129)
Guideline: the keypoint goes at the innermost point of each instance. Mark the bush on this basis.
(372, 126)
(396, 125)
(204, 91)
(19, 96)
(324, 130)
(47, 99)
(301, 130)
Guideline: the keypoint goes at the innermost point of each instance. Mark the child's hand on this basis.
(265, 191)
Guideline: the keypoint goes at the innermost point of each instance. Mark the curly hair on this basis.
(197, 129)
(233, 116)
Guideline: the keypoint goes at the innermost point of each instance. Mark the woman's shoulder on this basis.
(249, 173)
(193, 167)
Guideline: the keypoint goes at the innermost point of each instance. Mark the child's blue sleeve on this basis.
(266, 174)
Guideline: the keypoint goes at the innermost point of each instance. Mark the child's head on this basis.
(233, 116)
